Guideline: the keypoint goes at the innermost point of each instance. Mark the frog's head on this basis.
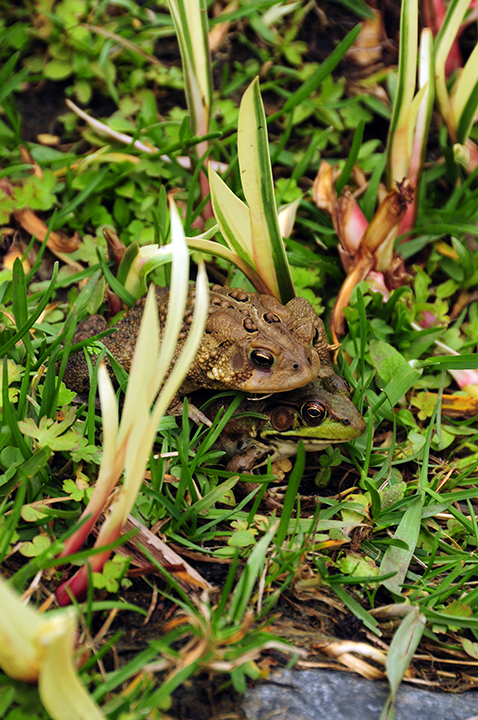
(319, 414)
(319, 418)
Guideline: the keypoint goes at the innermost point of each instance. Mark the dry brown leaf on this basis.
(187, 576)
(58, 244)
(456, 406)
(220, 29)
(12, 255)
(368, 47)
(27, 158)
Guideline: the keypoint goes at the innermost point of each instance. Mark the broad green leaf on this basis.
(403, 646)
(241, 539)
(358, 565)
(465, 259)
(256, 176)
(401, 652)
(388, 362)
(57, 70)
(31, 513)
(397, 559)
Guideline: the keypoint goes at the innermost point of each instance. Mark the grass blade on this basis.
(352, 158)
(324, 69)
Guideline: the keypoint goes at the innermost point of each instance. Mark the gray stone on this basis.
(329, 695)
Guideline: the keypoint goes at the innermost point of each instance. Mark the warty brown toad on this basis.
(251, 343)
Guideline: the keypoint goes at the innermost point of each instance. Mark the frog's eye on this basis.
(262, 359)
(316, 336)
(282, 419)
(313, 412)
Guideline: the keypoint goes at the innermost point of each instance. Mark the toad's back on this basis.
(251, 343)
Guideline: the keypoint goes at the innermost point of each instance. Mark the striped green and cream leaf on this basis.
(443, 42)
(191, 24)
(233, 218)
(398, 144)
(269, 255)
(465, 97)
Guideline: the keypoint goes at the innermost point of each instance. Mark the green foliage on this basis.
(112, 577)
(395, 510)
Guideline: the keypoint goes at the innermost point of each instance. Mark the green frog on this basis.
(251, 343)
(320, 414)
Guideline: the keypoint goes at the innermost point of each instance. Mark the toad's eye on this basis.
(282, 419)
(316, 336)
(262, 359)
(313, 412)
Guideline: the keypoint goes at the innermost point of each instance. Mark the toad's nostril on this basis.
(295, 366)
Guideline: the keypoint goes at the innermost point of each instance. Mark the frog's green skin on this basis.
(317, 415)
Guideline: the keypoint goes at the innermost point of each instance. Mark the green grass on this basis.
(396, 523)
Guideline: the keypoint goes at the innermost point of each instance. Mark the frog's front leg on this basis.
(253, 455)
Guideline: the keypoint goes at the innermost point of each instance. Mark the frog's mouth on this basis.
(285, 447)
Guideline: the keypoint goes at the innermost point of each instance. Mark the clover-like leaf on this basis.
(36, 546)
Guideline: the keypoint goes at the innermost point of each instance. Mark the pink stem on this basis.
(78, 583)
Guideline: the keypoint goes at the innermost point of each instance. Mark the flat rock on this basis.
(330, 695)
